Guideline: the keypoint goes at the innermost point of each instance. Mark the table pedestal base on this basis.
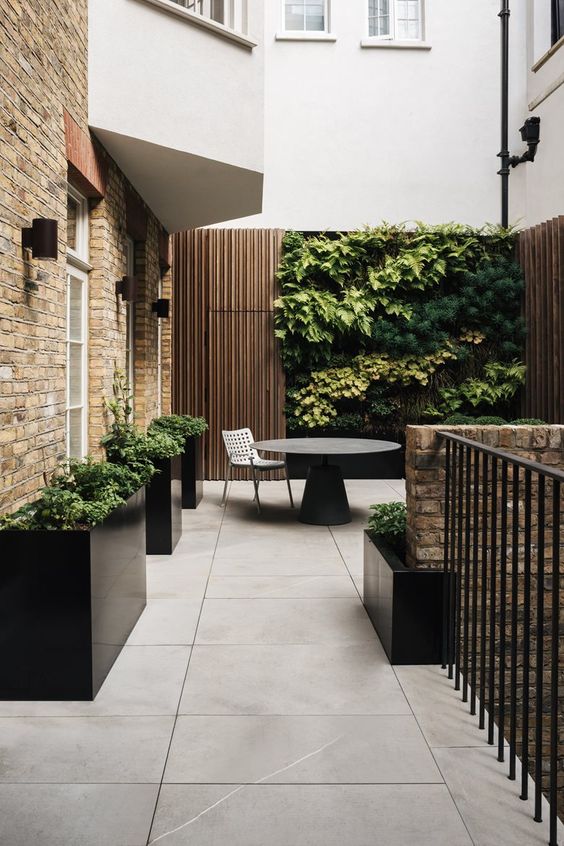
(325, 502)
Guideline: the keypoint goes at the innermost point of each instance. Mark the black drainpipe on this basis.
(504, 154)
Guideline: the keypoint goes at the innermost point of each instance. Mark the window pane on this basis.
(408, 24)
(75, 309)
(315, 17)
(72, 216)
(75, 374)
(75, 448)
(295, 16)
(379, 17)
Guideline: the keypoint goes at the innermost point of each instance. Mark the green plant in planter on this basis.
(389, 521)
(490, 420)
(80, 494)
(179, 426)
(125, 444)
(459, 420)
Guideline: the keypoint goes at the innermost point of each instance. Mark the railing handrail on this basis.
(511, 458)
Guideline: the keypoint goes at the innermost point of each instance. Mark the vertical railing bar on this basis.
(467, 500)
(541, 493)
(452, 580)
(475, 559)
(555, 662)
(493, 606)
(446, 559)
(514, 617)
(459, 536)
(483, 592)
(526, 641)
(502, 613)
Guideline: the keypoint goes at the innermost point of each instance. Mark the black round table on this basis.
(325, 502)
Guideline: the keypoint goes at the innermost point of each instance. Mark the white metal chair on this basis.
(241, 454)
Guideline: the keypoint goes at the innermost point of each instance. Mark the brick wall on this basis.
(44, 141)
(425, 476)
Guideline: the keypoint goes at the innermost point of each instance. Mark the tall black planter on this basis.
(404, 605)
(68, 602)
(192, 473)
(164, 507)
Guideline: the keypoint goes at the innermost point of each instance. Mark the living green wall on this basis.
(388, 326)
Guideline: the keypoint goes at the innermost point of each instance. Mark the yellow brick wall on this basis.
(43, 70)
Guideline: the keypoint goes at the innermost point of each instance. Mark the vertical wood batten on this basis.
(226, 363)
(541, 255)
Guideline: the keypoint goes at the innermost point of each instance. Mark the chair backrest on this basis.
(238, 444)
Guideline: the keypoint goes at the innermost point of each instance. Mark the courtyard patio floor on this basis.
(254, 706)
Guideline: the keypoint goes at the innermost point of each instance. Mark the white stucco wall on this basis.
(545, 95)
(355, 136)
(180, 108)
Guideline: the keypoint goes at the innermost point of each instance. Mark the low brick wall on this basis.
(425, 476)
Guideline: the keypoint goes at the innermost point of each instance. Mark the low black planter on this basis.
(68, 602)
(192, 473)
(164, 507)
(404, 605)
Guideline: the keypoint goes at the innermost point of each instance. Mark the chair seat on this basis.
(260, 464)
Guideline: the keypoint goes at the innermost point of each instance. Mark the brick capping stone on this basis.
(425, 476)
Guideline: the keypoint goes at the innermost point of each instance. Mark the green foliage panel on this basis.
(387, 326)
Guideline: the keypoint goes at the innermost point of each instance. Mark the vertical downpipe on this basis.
(504, 153)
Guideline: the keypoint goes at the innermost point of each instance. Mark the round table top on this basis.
(326, 446)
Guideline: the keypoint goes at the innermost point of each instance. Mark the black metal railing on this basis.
(501, 644)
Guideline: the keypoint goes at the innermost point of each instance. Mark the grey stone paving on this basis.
(254, 706)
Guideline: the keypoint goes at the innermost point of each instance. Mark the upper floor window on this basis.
(400, 20)
(231, 13)
(305, 16)
(557, 20)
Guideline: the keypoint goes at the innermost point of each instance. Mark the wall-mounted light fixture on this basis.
(42, 238)
(161, 308)
(127, 286)
(530, 133)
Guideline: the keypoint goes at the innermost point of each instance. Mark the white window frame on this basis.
(305, 33)
(130, 321)
(393, 35)
(78, 267)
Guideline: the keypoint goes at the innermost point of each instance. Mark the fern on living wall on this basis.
(406, 314)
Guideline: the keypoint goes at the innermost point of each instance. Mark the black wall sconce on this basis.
(162, 309)
(128, 286)
(530, 133)
(42, 238)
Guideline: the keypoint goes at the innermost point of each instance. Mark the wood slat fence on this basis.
(226, 367)
(540, 251)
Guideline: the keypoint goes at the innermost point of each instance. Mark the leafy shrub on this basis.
(528, 421)
(459, 420)
(490, 420)
(81, 494)
(351, 301)
(179, 426)
(389, 521)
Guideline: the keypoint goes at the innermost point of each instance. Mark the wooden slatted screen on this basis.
(541, 254)
(226, 365)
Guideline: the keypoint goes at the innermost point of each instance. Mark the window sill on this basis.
(381, 44)
(172, 8)
(305, 36)
(548, 55)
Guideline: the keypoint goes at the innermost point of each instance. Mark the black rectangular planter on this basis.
(164, 507)
(192, 473)
(68, 602)
(404, 605)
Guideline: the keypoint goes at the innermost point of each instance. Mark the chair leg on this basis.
(288, 483)
(228, 474)
(256, 484)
